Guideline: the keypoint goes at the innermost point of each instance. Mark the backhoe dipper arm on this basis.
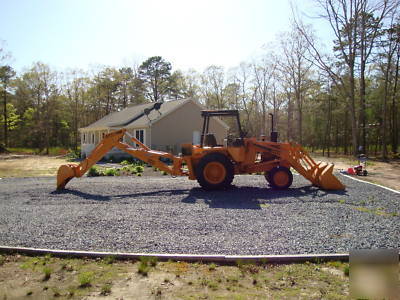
(67, 172)
(113, 139)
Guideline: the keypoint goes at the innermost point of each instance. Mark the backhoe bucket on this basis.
(64, 175)
(324, 178)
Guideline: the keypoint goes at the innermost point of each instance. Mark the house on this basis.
(174, 123)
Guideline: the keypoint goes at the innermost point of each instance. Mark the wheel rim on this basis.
(281, 178)
(214, 172)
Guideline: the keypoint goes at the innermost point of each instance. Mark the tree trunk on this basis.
(384, 109)
(352, 108)
(394, 107)
(5, 118)
(289, 118)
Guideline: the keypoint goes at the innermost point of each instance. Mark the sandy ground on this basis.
(383, 173)
(13, 165)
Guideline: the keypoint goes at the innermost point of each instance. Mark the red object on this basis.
(351, 171)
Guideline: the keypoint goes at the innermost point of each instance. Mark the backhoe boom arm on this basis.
(113, 139)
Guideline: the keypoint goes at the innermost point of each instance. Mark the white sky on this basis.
(189, 34)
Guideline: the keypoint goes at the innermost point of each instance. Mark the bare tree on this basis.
(295, 70)
(213, 84)
(355, 39)
(263, 74)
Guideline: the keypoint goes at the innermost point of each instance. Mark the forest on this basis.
(341, 98)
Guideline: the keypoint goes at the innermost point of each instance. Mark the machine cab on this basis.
(234, 142)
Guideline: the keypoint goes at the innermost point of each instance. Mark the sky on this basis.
(188, 33)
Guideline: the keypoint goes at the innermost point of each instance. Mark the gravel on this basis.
(173, 215)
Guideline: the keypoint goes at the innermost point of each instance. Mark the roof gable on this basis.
(135, 113)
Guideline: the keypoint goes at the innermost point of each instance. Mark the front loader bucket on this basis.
(65, 173)
(324, 178)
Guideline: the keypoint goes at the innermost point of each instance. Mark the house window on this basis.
(139, 135)
(92, 138)
(84, 138)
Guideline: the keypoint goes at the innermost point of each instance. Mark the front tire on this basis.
(214, 171)
(280, 178)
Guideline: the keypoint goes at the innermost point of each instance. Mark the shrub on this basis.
(74, 155)
(131, 170)
(139, 169)
(125, 162)
(111, 172)
(94, 171)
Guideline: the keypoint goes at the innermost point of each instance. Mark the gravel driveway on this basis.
(173, 215)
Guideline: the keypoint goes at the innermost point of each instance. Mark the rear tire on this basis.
(214, 171)
(266, 176)
(280, 178)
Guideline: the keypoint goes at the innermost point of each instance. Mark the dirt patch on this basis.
(47, 277)
(12, 165)
(383, 173)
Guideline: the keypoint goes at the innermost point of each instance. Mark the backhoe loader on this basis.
(213, 165)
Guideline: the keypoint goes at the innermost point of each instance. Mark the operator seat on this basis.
(210, 140)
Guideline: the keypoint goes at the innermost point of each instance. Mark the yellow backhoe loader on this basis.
(213, 165)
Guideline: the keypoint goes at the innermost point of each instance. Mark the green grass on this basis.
(108, 260)
(143, 268)
(52, 150)
(23, 150)
(145, 264)
(105, 290)
(376, 211)
(212, 267)
(85, 279)
(47, 273)
(346, 270)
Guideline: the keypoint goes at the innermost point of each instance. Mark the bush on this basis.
(111, 172)
(125, 162)
(139, 169)
(74, 155)
(132, 170)
(94, 171)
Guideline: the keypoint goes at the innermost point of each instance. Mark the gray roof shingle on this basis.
(135, 113)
